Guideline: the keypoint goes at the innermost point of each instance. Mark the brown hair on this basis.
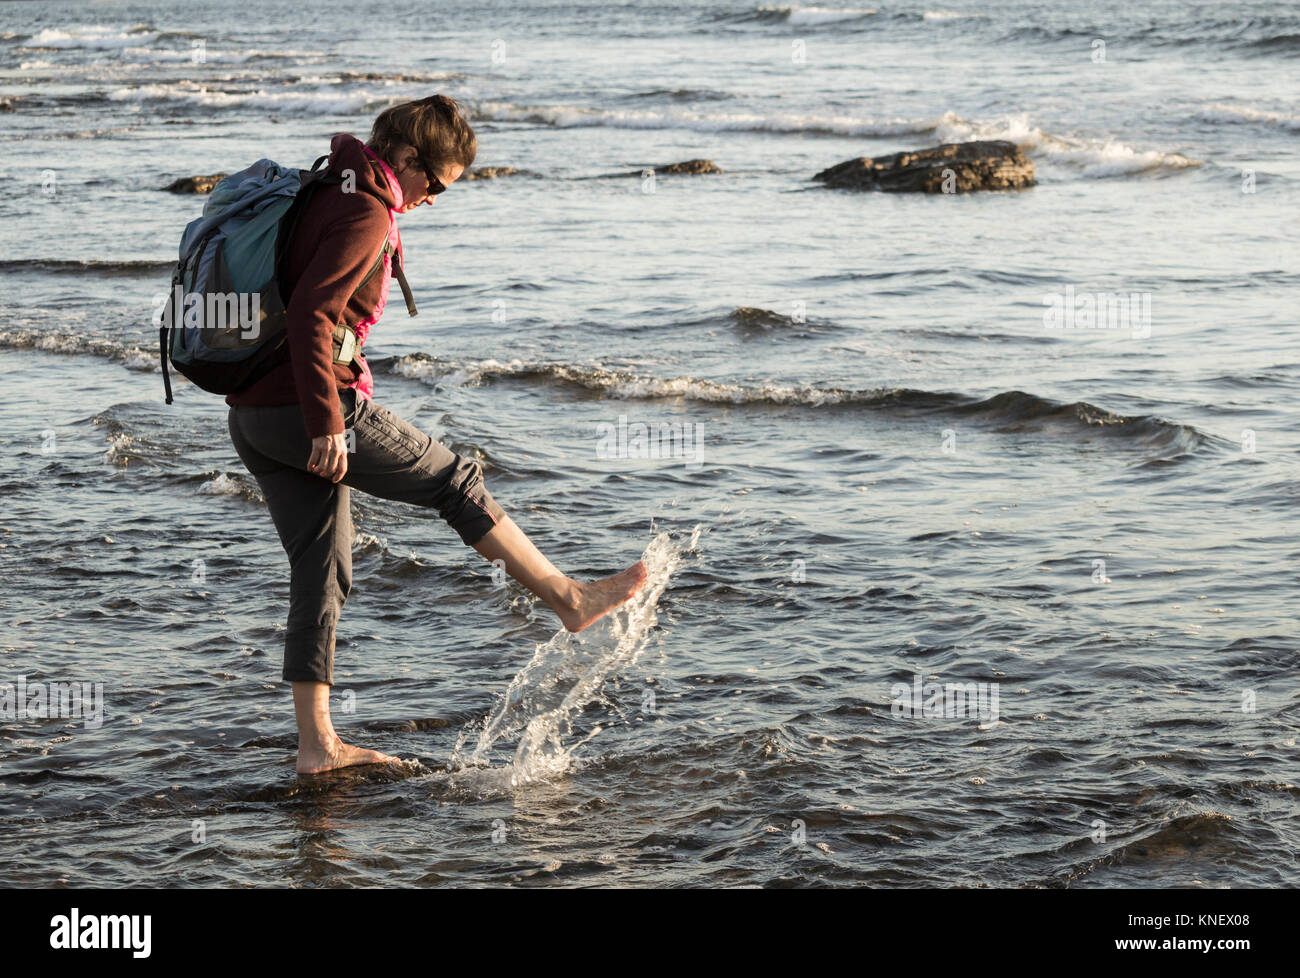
(435, 126)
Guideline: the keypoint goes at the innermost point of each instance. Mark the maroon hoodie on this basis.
(336, 243)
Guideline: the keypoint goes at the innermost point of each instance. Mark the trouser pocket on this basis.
(404, 441)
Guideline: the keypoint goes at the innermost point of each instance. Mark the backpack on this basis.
(223, 321)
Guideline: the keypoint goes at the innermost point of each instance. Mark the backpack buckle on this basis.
(345, 344)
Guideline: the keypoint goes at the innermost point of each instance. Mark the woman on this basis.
(289, 427)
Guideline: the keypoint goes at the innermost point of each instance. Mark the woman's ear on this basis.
(405, 158)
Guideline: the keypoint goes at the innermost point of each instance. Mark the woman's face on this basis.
(415, 182)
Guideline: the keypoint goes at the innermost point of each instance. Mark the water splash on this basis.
(566, 674)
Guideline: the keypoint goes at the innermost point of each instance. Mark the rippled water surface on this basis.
(906, 477)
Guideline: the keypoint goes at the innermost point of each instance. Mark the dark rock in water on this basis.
(751, 317)
(195, 185)
(992, 164)
(689, 166)
(692, 166)
(492, 172)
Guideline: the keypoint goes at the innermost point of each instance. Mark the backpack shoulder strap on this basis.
(311, 179)
(397, 273)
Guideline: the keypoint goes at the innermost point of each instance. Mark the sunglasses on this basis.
(436, 186)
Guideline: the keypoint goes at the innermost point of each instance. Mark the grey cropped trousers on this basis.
(392, 459)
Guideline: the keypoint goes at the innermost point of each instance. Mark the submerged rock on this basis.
(195, 185)
(751, 317)
(687, 166)
(492, 172)
(691, 166)
(988, 164)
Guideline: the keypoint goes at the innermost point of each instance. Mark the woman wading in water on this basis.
(288, 427)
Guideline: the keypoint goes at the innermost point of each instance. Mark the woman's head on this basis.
(423, 141)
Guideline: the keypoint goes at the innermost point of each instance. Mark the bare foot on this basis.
(315, 759)
(593, 601)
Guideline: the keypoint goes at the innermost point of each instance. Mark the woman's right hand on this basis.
(329, 457)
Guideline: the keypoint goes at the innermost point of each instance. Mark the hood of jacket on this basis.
(372, 174)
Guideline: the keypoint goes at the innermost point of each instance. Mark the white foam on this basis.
(1114, 158)
(1221, 112)
(190, 93)
(89, 38)
(948, 15)
(566, 674)
(815, 16)
(1092, 158)
(141, 360)
(169, 55)
(222, 485)
(624, 386)
(174, 55)
(119, 447)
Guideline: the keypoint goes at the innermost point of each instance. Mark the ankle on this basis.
(566, 595)
(322, 742)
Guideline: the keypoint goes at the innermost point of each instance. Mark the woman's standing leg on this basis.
(314, 521)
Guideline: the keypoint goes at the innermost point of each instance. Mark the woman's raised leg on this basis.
(395, 460)
(577, 604)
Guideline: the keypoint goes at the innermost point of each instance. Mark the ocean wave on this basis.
(1018, 410)
(1095, 158)
(210, 55)
(120, 451)
(85, 266)
(813, 16)
(570, 116)
(77, 344)
(418, 77)
(81, 134)
(127, 59)
(839, 17)
(319, 102)
(1244, 114)
(682, 94)
(42, 103)
(222, 484)
(90, 37)
(1009, 410)
(1208, 834)
(1277, 34)
(1276, 44)
(611, 383)
(796, 16)
(398, 562)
